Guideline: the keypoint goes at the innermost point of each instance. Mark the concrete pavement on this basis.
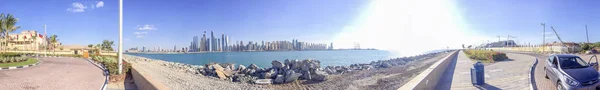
(55, 73)
(509, 74)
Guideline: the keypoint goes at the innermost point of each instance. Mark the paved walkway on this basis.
(510, 74)
(54, 74)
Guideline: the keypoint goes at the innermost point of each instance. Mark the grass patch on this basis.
(485, 56)
(29, 61)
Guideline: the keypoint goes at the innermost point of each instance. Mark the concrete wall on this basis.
(428, 79)
(144, 82)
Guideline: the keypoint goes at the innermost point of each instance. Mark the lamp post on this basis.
(120, 37)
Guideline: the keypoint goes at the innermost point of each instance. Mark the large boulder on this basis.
(279, 79)
(269, 74)
(305, 75)
(241, 68)
(252, 66)
(291, 76)
(221, 74)
(319, 76)
(277, 64)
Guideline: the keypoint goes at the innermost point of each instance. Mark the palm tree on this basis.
(7, 25)
(107, 45)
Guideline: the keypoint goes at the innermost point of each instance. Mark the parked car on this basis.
(593, 51)
(569, 72)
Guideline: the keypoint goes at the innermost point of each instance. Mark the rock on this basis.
(243, 78)
(228, 72)
(263, 81)
(319, 76)
(221, 74)
(306, 75)
(230, 66)
(386, 65)
(279, 79)
(241, 68)
(252, 66)
(269, 74)
(277, 64)
(287, 62)
(291, 76)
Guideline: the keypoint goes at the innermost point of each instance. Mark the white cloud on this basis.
(146, 27)
(143, 30)
(77, 7)
(99, 4)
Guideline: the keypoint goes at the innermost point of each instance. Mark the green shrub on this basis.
(486, 55)
(111, 63)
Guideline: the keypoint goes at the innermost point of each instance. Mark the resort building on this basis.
(26, 40)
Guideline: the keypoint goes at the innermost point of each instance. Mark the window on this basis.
(572, 62)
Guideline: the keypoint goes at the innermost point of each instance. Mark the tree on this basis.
(586, 46)
(91, 45)
(107, 45)
(7, 25)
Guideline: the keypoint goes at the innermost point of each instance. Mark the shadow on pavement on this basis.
(487, 87)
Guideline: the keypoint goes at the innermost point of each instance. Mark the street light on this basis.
(120, 37)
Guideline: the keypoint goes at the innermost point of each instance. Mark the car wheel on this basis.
(559, 86)
(546, 73)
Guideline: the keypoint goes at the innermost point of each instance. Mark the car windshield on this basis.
(572, 62)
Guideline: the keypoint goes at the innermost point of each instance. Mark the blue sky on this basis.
(522, 19)
(175, 23)
(382, 24)
(76, 22)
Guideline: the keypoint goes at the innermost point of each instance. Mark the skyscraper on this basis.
(226, 43)
(202, 43)
(194, 46)
(218, 44)
(222, 46)
(212, 41)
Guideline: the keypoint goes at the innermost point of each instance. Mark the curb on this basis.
(24, 66)
(106, 73)
(532, 84)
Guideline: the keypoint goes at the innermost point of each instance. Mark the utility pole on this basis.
(498, 38)
(45, 40)
(544, 37)
(586, 34)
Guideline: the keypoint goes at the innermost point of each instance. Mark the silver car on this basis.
(570, 72)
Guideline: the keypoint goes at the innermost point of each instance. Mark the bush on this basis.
(486, 55)
(111, 63)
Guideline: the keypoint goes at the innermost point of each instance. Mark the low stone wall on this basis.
(428, 79)
(143, 81)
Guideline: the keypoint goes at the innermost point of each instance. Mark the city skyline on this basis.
(222, 44)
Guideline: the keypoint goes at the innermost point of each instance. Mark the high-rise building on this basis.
(202, 45)
(222, 46)
(212, 42)
(226, 43)
(218, 44)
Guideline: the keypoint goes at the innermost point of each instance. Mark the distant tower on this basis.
(212, 41)
(331, 46)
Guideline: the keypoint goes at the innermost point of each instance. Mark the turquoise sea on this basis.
(263, 59)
